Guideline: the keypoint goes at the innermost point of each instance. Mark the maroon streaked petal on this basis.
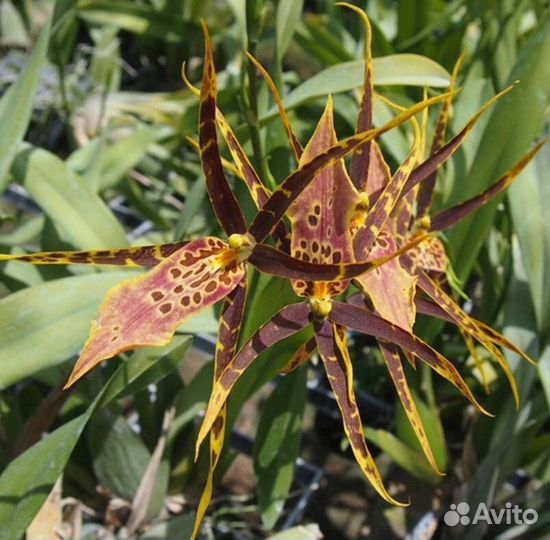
(301, 356)
(465, 322)
(320, 216)
(145, 256)
(334, 354)
(447, 218)
(146, 310)
(228, 336)
(287, 322)
(360, 170)
(360, 320)
(270, 260)
(395, 368)
(293, 142)
(277, 205)
(423, 171)
(425, 193)
(225, 205)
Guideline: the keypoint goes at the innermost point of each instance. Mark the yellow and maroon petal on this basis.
(294, 144)
(321, 215)
(287, 322)
(280, 200)
(395, 367)
(145, 256)
(447, 218)
(426, 190)
(228, 336)
(335, 357)
(273, 261)
(363, 321)
(388, 199)
(462, 319)
(300, 357)
(146, 310)
(361, 171)
(225, 204)
(390, 287)
(427, 167)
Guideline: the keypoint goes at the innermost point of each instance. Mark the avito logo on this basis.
(509, 515)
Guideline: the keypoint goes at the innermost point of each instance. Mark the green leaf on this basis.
(44, 325)
(28, 479)
(277, 444)
(287, 18)
(137, 18)
(528, 199)
(17, 103)
(84, 219)
(515, 122)
(178, 527)
(407, 458)
(119, 456)
(396, 69)
(434, 432)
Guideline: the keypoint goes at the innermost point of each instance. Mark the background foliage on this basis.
(93, 154)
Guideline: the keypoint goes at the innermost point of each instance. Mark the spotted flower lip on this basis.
(362, 225)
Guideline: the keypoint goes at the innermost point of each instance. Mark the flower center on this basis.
(320, 307)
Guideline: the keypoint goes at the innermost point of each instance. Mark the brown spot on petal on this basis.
(165, 308)
(157, 296)
(197, 298)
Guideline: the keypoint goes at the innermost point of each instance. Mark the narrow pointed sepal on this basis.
(300, 357)
(287, 322)
(395, 368)
(368, 323)
(139, 256)
(277, 205)
(223, 200)
(447, 218)
(228, 336)
(335, 357)
(466, 323)
(146, 310)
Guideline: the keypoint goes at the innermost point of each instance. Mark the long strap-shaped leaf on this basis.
(447, 218)
(395, 367)
(427, 187)
(146, 310)
(270, 260)
(360, 320)
(334, 354)
(225, 204)
(287, 322)
(228, 337)
(145, 256)
(293, 185)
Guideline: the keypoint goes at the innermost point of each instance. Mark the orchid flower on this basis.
(331, 222)
(342, 227)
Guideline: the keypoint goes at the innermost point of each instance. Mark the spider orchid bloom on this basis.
(321, 232)
(323, 221)
(329, 204)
